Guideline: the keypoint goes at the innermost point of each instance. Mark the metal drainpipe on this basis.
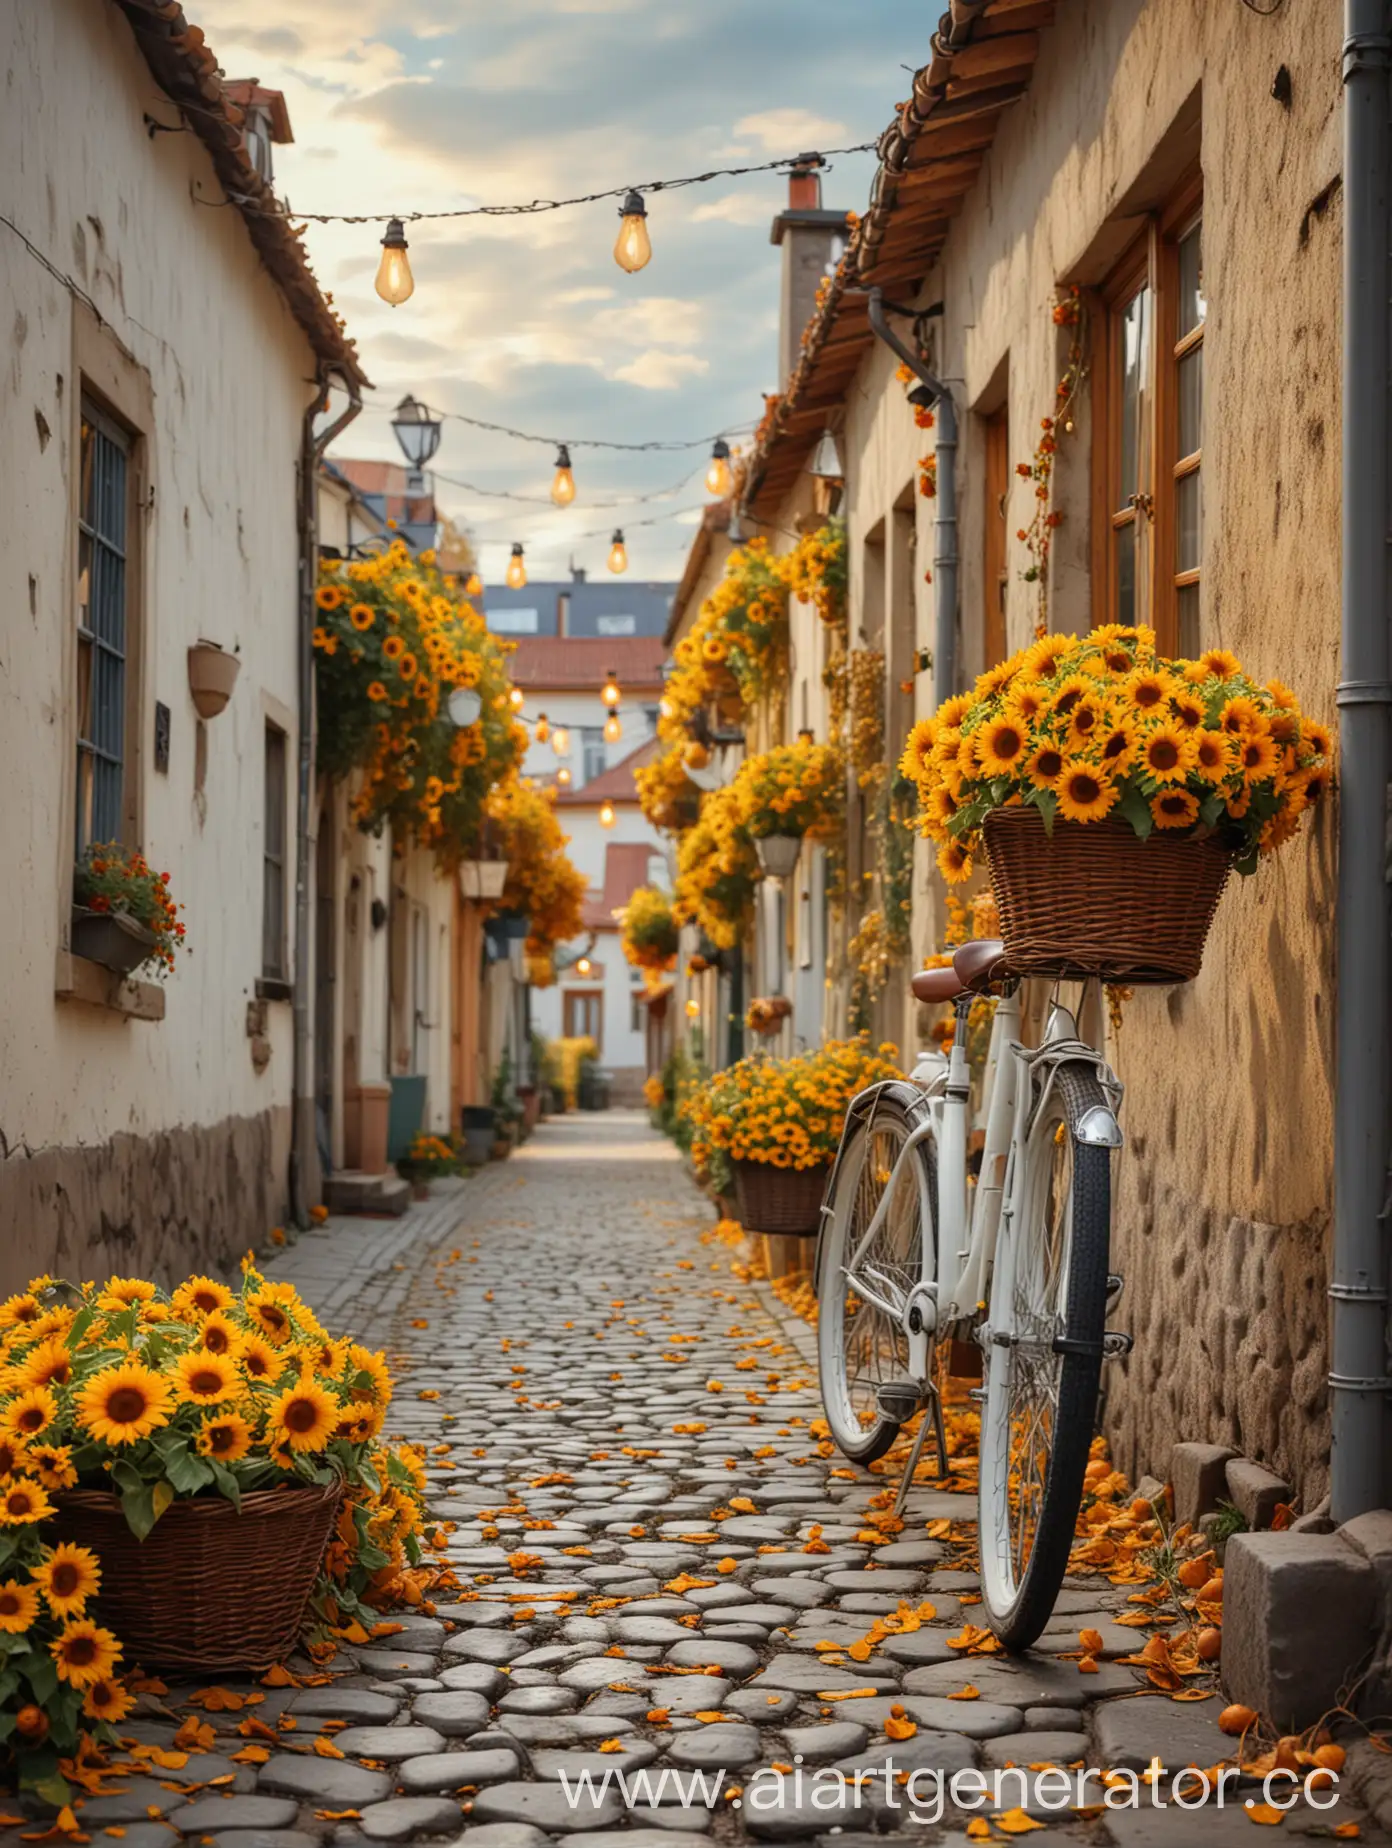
(1358, 1293)
(945, 553)
(312, 449)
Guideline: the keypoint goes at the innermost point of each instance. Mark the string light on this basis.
(473, 585)
(543, 728)
(633, 246)
(613, 728)
(589, 442)
(395, 283)
(719, 479)
(516, 698)
(607, 816)
(560, 740)
(563, 487)
(618, 553)
(693, 1010)
(610, 692)
(516, 575)
(584, 968)
(563, 777)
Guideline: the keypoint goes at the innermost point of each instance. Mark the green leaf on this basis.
(126, 1476)
(43, 1679)
(138, 1506)
(1134, 808)
(186, 1473)
(1211, 808)
(161, 1497)
(82, 1321)
(227, 1484)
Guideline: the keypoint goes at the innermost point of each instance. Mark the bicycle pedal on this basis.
(1115, 1286)
(898, 1400)
(1116, 1345)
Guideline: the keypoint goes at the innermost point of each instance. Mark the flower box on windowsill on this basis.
(111, 938)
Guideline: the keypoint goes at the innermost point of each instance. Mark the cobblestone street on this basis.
(659, 1570)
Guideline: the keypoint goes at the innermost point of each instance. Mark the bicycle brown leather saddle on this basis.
(974, 967)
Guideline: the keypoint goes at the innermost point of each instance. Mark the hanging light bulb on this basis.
(473, 586)
(719, 479)
(609, 692)
(633, 248)
(563, 777)
(607, 816)
(584, 968)
(613, 728)
(560, 740)
(563, 487)
(618, 553)
(665, 708)
(543, 728)
(693, 1010)
(516, 698)
(395, 283)
(516, 575)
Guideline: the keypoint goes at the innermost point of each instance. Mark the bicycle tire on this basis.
(895, 1111)
(1019, 1594)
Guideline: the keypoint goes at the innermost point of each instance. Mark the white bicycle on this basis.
(913, 1251)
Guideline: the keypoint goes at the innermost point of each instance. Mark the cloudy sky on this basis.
(433, 104)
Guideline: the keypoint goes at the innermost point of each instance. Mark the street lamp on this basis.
(826, 463)
(416, 431)
(464, 706)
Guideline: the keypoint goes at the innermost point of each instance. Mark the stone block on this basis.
(1298, 1612)
(1256, 1491)
(1371, 1535)
(1196, 1475)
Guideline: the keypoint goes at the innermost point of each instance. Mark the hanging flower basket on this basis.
(779, 1199)
(778, 853)
(768, 1013)
(1098, 900)
(482, 879)
(209, 1590)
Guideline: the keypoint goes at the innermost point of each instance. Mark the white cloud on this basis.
(656, 371)
(655, 320)
(745, 208)
(792, 131)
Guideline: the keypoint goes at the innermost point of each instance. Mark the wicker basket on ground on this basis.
(1095, 899)
(208, 1590)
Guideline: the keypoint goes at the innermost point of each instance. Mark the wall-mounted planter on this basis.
(212, 675)
(117, 942)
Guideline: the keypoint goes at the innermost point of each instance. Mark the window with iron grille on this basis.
(103, 527)
(273, 956)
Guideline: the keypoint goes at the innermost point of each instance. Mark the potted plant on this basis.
(777, 1124)
(123, 915)
(766, 1014)
(651, 935)
(507, 1113)
(429, 1158)
(1113, 791)
(792, 792)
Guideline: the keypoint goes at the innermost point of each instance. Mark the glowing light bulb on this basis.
(719, 479)
(609, 692)
(618, 554)
(516, 698)
(584, 968)
(516, 575)
(693, 1010)
(633, 248)
(473, 586)
(543, 728)
(563, 777)
(563, 487)
(665, 708)
(613, 728)
(560, 740)
(395, 283)
(607, 817)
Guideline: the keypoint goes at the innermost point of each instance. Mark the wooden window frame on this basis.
(1150, 261)
(570, 997)
(275, 955)
(995, 575)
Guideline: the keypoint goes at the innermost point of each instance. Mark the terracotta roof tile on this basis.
(578, 663)
(625, 869)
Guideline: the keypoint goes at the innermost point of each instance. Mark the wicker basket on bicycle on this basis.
(1095, 899)
(785, 1200)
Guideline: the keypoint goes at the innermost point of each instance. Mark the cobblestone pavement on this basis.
(604, 1385)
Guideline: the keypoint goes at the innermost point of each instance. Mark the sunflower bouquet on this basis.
(792, 789)
(153, 1397)
(785, 1112)
(1104, 727)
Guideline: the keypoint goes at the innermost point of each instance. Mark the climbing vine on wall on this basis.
(1037, 536)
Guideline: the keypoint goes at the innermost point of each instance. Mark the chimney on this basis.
(813, 240)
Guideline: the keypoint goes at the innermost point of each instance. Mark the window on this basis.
(583, 1014)
(103, 528)
(591, 752)
(1148, 531)
(616, 625)
(273, 958)
(994, 573)
(514, 622)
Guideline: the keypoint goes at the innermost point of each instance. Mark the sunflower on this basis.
(1219, 663)
(1282, 696)
(226, 1438)
(1174, 808)
(1238, 805)
(377, 1386)
(1067, 695)
(121, 1292)
(31, 1413)
(268, 1309)
(1315, 738)
(1116, 745)
(1043, 659)
(15, 1311)
(966, 756)
(954, 862)
(1025, 702)
(1084, 792)
(49, 1364)
(1310, 785)
(360, 1427)
(361, 616)
(258, 1359)
(1044, 768)
(913, 762)
(1257, 756)
(1167, 753)
(84, 1653)
(939, 806)
(1187, 711)
(304, 1416)
(107, 1700)
(952, 711)
(713, 649)
(206, 1379)
(15, 1459)
(124, 1402)
(375, 690)
(406, 666)
(68, 1577)
(200, 1296)
(1150, 689)
(1000, 745)
(945, 748)
(219, 1334)
(19, 1606)
(1085, 719)
(393, 648)
(998, 676)
(1213, 755)
(53, 1465)
(22, 1503)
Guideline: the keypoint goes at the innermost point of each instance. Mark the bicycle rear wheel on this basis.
(860, 1347)
(1049, 1283)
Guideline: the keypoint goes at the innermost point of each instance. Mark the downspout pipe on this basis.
(1358, 1380)
(945, 546)
(312, 447)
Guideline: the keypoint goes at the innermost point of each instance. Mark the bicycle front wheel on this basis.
(1043, 1363)
(860, 1345)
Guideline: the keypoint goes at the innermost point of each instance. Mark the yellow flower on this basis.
(1001, 745)
(954, 862)
(1219, 663)
(17, 1310)
(258, 1359)
(121, 1292)
(1150, 690)
(68, 1577)
(1116, 747)
(1044, 658)
(329, 596)
(1167, 753)
(361, 616)
(199, 1297)
(19, 1606)
(84, 1654)
(53, 1465)
(1084, 792)
(219, 1334)
(1213, 755)
(22, 1503)
(15, 1459)
(1241, 715)
(269, 1310)
(206, 1379)
(376, 690)
(225, 1438)
(1045, 767)
(303, 1416)
(1174, 808)
(31, 1414)
(1257, 756)
(123, 1403)
(107, 1700)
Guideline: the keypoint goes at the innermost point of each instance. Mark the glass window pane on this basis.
(1125, 541)
(1192, 306)
(1188, 522)
(1188, 600)
(1190, 392)
(1135, 371)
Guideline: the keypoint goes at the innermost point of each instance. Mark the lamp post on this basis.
(416, 431)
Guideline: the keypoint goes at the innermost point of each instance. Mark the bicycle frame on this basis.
(956, 1263)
